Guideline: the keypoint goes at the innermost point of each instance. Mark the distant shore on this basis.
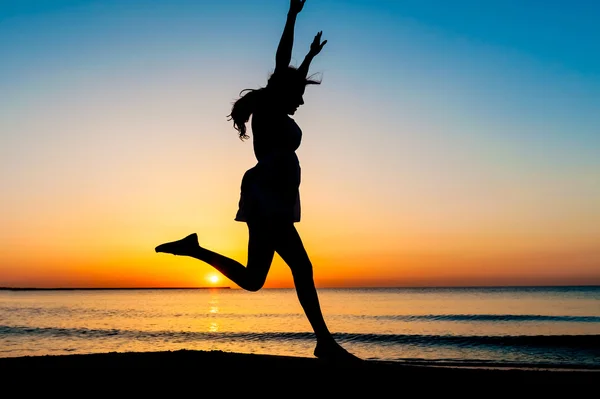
(591, 286)
(110, 289)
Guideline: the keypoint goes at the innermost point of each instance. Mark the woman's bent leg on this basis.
(252, 277)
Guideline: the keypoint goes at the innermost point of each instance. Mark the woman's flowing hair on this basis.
(278, 82)
(243, 108)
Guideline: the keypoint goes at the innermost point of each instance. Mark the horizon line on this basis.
(107, 288)
(281, 288)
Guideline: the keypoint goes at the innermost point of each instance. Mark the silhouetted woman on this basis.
(269, 201)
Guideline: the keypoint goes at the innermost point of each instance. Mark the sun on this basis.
(213, 278)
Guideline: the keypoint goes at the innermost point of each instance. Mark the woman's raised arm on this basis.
(315, 48)
(284, 50)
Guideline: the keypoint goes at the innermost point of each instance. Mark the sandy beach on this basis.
(368, 374)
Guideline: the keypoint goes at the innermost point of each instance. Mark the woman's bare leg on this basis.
(251, 277)
(264, 240)
(289, 246)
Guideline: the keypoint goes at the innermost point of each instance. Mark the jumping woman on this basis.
(269, 201)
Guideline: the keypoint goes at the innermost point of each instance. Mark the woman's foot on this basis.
(332, 351)
(184, 247)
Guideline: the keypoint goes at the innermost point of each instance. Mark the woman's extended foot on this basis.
(332, 351)
(184, 247)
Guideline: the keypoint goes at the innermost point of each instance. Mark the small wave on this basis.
(584, 342)
(542, 341)
(63, 311)
(492, 318)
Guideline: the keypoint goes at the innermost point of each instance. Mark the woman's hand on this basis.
(316, 46)
(296, 6)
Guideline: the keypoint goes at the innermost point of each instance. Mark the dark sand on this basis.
(305, 373)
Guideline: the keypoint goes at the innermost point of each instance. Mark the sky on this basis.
(449, 144)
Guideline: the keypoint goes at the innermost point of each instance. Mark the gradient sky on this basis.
(450, 143)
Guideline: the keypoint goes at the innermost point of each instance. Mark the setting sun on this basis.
(213, 278)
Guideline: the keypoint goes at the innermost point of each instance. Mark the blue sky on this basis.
(464, 124)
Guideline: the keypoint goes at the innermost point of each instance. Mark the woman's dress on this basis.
(270, 190)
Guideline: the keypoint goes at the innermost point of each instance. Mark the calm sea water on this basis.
(534, 326)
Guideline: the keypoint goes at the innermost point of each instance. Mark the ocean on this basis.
(508, 326)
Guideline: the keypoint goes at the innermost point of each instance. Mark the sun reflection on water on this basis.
(213, 309)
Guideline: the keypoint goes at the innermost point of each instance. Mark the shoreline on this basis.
(237, 373)
(67, 358)
(372, 370)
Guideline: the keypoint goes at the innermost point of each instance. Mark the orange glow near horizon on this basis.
(109, 245)
(141, 267)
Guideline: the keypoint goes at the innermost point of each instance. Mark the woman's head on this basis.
(287, 89)
(284, 93)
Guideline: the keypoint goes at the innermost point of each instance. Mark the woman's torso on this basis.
(276, 137)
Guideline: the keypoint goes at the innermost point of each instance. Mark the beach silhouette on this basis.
(269, 201)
